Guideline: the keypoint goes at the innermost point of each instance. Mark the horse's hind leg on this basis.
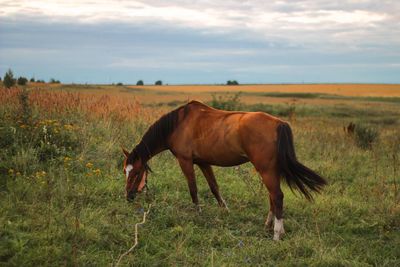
(269, 222)
(212, 183)
(271, 180)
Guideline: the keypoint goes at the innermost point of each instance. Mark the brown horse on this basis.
(198, 134)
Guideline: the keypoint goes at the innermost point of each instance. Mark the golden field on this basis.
(303, 94)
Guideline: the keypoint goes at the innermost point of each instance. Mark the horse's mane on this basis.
(156, 136)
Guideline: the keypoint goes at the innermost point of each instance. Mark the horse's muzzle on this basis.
(130, 196)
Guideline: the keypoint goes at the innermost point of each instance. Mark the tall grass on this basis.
(62, 194)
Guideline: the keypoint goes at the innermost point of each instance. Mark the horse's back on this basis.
(221, 137)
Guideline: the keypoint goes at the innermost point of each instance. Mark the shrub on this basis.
(120, 84)
(227, 102)
(232, 82)
(365, 136)
(26, 112)
(159, 82)
(32, 80)
(22, 81)
(9, 80)
(140, 82)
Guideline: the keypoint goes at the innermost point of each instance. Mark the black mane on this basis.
(156, 136)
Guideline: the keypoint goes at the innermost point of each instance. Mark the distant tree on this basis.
(232, 82)
(40, 81)
(32, 80)
(120, 84)
(22, 80)
(140, 82)
(159, 82)
(8, 79)
(52, 80)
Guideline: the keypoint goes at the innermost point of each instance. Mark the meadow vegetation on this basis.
(62, 196)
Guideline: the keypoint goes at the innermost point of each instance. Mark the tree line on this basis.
(10, 81)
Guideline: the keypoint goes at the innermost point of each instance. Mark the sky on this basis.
(202, 42)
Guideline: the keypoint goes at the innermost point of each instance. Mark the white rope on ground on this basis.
(136, 236)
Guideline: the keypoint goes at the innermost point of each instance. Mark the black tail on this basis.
(296, 174)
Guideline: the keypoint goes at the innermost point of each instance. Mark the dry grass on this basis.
(365, 90)
(94, 105)
(335, 93)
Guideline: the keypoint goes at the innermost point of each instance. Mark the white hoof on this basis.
(278, 229)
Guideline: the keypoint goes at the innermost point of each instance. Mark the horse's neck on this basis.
(147, 151)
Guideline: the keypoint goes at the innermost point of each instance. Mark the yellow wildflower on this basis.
(68, 127)
(10, 171)
(97, 172)
(89, 165)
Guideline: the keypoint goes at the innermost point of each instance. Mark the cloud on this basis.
(180, 36)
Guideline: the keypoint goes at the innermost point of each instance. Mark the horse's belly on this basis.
(220, 155)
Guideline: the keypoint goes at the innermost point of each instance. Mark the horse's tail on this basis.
(296, 174)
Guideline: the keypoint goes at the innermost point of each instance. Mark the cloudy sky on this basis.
(182, 41)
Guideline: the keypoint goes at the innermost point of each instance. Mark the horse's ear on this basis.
(126, 153)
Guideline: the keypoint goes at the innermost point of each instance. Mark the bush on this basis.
(140, 82)
(9, 80)
(159, 82)
(22, 81)
(40, 81)
(365, 136)
(32, 80)
(227, 102)
(232, 82)
(120, 84)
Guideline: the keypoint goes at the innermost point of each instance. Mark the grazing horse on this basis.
(198, 134)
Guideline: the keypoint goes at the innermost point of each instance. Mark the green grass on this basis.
(330, 96)
(56, 209)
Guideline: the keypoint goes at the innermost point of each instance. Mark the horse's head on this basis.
(136, 175)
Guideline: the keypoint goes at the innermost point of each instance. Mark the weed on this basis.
(365, 136)
(226, 102)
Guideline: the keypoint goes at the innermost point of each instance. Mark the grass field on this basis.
(62, 199)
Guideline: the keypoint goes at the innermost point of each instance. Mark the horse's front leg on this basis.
(212, 183)
(188, 171)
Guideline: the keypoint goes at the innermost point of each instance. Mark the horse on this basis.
(198, 134)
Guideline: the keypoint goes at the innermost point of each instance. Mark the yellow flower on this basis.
(40, 174)
(68, 127)
(18, 173)
(89, 165)
(97, 171)
(10, 171)
(66, 159)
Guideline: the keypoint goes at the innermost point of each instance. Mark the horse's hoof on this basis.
(276, 237)
(198, 208)
(268, 226)
(269, 221)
